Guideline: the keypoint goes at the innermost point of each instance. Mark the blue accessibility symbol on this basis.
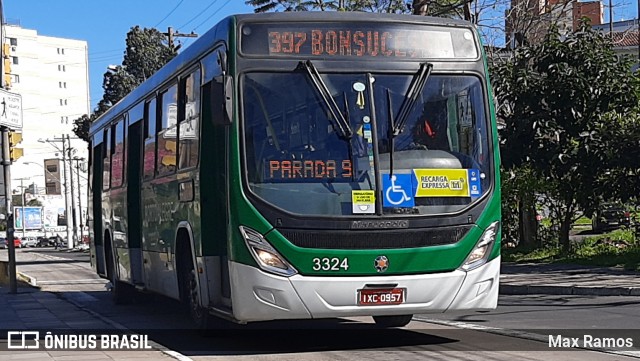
(397, 190)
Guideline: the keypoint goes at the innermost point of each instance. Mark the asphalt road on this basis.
(518, 329)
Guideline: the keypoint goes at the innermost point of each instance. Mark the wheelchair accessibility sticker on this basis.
(397, 190)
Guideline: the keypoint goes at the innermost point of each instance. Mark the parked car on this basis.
(610, 216)
(29, 242)
(16, 242)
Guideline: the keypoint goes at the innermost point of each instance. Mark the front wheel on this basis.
(392, 321)
(200, 315)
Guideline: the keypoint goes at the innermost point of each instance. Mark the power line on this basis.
(207, 19)
(169, 14)
(199, 14)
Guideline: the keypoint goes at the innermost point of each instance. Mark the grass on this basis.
(582, 221)
(615, 249)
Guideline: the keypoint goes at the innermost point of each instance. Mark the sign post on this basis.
(10, 119)
(10, 110)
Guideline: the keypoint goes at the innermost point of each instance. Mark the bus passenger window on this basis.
(117, 159)
(167, 147)
(106, 160)
(189, 125)
(149, 139)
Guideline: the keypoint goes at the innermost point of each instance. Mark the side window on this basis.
(149, 162)
(190, 120)
(167, 147)
(106, 160)
(117, 159)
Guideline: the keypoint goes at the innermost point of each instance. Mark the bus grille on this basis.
(378, 239)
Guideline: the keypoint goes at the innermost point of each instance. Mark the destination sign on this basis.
(308, 170)
(358, 40)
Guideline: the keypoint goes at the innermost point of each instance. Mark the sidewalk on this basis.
(562, 279)
(32, 309)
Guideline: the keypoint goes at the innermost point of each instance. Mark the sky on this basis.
(105, 24)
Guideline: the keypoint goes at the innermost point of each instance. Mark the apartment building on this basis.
(626, 36)
(527, 21)
(52, 76)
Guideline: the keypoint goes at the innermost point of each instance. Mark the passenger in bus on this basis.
(431, 133)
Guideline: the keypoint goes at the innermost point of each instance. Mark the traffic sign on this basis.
(10, 110)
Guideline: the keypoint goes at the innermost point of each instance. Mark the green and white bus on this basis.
(305, 165)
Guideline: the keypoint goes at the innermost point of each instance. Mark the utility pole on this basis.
(611, 19)
(73, 203)
(6, 164)
(78, 160)
(170, 34)
(66, 193)
(22, 198)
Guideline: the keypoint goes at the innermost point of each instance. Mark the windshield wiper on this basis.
(341, 123)
(390, 132)
(414, 91)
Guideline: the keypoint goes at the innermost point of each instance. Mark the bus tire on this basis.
(190, 293)
(121, 293)
(200, 315)
(392, 321)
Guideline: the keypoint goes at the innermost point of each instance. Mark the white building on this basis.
(52, 76)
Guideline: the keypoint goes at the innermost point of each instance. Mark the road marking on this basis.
(71, 282)
(516, 333)
(174, 354)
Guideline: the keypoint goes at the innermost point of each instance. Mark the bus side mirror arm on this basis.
(228, 99)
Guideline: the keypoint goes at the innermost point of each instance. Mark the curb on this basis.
(32, 281)
(568, 290)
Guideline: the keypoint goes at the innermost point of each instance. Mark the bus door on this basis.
(213, 178)
(96, 220)
(134, 203)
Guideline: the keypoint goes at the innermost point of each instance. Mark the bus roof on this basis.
(219, 32)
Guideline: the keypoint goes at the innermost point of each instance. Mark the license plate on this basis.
(380, 296)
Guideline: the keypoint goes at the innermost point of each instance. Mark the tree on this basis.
(147, 51)
(376, 6)
(565, 102)
(263, 6)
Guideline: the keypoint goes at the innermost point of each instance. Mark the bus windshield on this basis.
(297, 159)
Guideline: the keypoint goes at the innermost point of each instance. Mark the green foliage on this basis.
(582, 221)
(147, 51)
(263, 6)
(81, 126)
(616, 249)
(34, 203)
(570, 105)
(376, 6)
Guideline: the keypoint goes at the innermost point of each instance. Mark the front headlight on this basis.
(482, 250)
(265, 255)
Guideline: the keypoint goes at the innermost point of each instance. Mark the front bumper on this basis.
(259, 296)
